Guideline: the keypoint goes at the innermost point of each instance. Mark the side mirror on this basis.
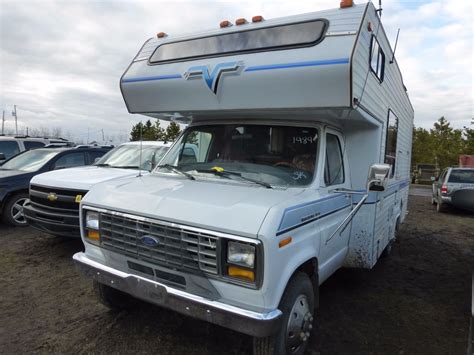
(378, 177)
(147, 165)
(434, 178)
(2, 156)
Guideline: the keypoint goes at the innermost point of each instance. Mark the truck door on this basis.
(336, 176)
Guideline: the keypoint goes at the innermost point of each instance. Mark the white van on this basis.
(302, 129)
(55, 196)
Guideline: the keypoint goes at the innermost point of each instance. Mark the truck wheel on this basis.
(297, 305)
(112, 298)
(13, 211)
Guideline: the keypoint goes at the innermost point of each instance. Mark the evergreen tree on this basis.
(136, 132)
(172, 132)
(159, 131)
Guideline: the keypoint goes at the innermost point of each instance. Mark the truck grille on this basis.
(178, 248)
(63, 199)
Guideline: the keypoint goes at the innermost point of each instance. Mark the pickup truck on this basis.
(53, 205)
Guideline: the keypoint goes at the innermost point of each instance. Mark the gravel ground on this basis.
(417, 301)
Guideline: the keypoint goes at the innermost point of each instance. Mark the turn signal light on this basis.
(257, 18)
(284, 242)
(161, 35)
(239, 272)
(92, 234)
(241, 21)
(225, 23)
(346, 3)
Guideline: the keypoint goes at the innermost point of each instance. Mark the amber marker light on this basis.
(92, 234)
(284, 242)
(240, 272)
(369, 27)
(257, 18)
(225, 24)
(346, 3)
(161, 35)
(240, 21)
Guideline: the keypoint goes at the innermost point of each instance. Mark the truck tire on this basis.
(111, 298)
(297, 305)
(13, 211)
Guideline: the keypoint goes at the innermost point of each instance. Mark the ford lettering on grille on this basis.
(150, 241)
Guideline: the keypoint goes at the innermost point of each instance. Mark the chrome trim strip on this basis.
(175, 225)
(83, 259)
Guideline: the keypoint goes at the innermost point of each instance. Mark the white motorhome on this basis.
(301, 134)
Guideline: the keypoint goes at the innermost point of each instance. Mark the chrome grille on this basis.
(178, 248)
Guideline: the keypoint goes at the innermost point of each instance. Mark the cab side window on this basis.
(391, 141)
(32, 144)
(70, 161)
(334, 167)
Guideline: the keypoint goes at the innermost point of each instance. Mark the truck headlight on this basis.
(92, 226)
(92, 220)
(241, 254)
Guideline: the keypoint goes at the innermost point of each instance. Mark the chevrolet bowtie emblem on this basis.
(52, 196)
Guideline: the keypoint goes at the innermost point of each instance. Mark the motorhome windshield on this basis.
(269, 154)
(128, 156)
(296, 34)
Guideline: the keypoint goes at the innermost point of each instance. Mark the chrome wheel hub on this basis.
(299, 325)
(17, 211)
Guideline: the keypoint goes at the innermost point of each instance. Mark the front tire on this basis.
(13, 211)
(297, 305)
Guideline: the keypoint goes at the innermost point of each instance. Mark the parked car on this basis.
(16, 173)
(60, 216)
(455, 186)
(11, 146)
(423, 173)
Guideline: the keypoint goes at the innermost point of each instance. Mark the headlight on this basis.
(92, 220)
(241, 254)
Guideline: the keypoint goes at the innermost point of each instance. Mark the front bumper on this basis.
(232, 317)
(56, 223)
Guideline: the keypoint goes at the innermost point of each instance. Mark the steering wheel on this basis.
(284, 163)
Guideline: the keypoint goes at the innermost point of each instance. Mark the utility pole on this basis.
(103, 138)
(3, 122)
(16, 119)
(87, 135)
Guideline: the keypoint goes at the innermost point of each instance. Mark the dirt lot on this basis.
(416, 301)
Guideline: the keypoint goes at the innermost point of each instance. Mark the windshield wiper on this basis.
(125, 167)
(176, 170)
(102, 164)
(227, 174)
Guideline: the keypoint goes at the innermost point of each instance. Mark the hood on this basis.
(81, 178)
(7, 175)
(227, 207)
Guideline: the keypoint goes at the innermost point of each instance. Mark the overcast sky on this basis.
(61, 61)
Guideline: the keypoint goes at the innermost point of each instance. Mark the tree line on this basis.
(154, 132)
(441, 145)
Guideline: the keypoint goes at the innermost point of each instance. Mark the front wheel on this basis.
(297, 305)
(13, 212)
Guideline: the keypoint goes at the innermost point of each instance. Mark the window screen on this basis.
(305, 33)
(391, 142)
(334, 167)
(377, 59)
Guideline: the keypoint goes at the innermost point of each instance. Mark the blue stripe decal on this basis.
(314, 63)
(151, 78)
(302, 214)
(298, 64)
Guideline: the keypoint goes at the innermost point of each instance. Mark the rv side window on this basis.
(296, 34)
(377, 59)
(334, 169)
(391, 141)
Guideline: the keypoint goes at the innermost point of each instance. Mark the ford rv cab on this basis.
(295, 163)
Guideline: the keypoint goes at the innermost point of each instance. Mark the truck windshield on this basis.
(128, 156)
(268, 154)
(32, 160)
